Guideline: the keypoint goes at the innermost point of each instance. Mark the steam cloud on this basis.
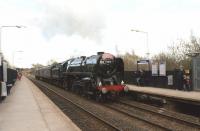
(66, 21)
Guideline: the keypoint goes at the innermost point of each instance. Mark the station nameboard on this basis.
(143, 62)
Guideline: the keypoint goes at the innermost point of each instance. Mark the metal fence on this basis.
(130, 77)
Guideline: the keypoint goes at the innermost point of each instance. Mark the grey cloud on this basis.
(58, 21)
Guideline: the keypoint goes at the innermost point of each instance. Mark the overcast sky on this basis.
(59, 29)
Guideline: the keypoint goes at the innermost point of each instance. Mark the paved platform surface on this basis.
(28, 109)
(184, 95)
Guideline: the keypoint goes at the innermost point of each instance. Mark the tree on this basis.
(130, 61)
(37, 65)
(182, 48)
(177, 53)
(171, 63)
(52, 62)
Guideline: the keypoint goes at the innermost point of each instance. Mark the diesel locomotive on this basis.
(98, 75)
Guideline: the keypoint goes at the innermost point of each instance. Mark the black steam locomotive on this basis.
(99, 75)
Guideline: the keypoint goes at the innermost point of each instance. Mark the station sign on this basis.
(143, 62)
(170, 80)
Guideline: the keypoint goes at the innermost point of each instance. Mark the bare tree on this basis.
(130, 61)
(171, 63)
(51, 62)
(37, 65)
(177, 53)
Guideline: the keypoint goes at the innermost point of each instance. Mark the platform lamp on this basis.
(3, 88)
(147, 39)
(13, 56)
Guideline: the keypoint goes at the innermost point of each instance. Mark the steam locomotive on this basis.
(99, 75)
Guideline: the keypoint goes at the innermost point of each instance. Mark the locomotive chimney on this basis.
(100, 53)
(83, 57)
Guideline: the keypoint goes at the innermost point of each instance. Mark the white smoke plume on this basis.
(71, 17)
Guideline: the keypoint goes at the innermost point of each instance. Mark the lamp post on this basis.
(147, 41)
(1, 27)
(13, 56)
(3, 83)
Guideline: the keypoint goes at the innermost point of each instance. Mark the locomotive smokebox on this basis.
(100, 53)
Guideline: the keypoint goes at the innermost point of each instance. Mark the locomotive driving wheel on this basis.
(65, 85)
(99, 97)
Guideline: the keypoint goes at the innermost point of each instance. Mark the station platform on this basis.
(28, 109)
(184, 96)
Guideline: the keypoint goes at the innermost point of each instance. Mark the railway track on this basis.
(118, 120)
(152, 115)
(187, 119)
(107, 125)
(121, 115)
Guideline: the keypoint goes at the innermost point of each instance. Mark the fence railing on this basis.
(130, 77)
